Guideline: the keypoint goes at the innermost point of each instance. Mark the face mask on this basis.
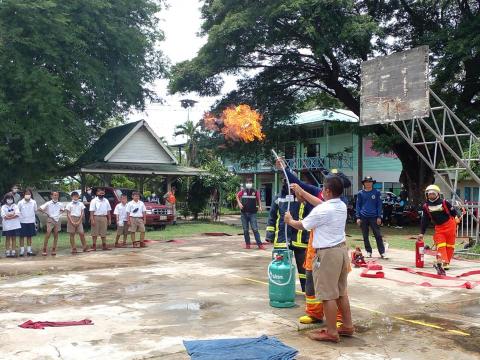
(27, 197)
(101, 196)
(89, 192)
(15, 190)
(9, 201)
(248, 185)
(75, 201)
(54, 201)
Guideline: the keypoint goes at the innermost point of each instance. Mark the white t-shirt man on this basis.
(100, 207)
(136, 209)
(121, 211)
(75, 208)
(27, 211)
(53, 209)
(328, 219)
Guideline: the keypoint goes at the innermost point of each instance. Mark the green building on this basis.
(329, 141)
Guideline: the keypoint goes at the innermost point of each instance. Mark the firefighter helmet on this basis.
(432, 188)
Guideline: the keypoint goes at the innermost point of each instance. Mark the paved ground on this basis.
(145, 302)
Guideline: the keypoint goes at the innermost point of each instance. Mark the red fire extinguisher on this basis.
(419, 253)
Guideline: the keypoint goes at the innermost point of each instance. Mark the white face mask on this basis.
(15, 190)
(9, 201)
(28, 197)
(154, 195)
(248, 185)
(89, 192)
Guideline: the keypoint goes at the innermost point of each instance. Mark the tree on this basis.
(191, 131)
(67, 68)
(291, 52)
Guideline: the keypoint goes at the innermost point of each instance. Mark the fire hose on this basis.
(287, 244)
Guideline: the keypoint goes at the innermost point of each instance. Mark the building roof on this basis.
(133, 148)
(142, 169)
(334, 115)
(106, 143)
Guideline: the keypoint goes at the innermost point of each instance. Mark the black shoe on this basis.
(21, 254)
(440, 269)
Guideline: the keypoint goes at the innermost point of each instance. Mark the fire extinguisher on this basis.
(419, 253)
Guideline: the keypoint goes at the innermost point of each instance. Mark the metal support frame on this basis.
(446, 151)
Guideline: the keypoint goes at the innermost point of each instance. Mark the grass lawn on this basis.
(397, 238)
(170, 232)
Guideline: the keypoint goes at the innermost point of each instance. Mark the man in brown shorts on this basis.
(100, 218)
(331, 263)
(137, 217)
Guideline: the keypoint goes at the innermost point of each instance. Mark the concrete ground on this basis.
(145, 302)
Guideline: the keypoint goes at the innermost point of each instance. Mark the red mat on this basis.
(43, 324)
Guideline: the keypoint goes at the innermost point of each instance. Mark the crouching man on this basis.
(331, 263)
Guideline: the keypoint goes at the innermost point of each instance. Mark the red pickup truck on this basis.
(158, 215)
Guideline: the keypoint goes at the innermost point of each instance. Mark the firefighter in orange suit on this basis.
(445, 217)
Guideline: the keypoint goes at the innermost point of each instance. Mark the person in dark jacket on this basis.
(369, 215)
(248, 201)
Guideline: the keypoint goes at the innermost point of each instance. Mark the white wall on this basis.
(141, 147)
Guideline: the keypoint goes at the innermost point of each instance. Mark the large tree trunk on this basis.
(416, 175)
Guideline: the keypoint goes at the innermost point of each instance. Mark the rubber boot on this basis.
(306, 319)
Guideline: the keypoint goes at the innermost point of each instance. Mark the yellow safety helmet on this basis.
(432, 188)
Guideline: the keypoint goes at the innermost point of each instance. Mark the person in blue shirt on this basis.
(369, 215)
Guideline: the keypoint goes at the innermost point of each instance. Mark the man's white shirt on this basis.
(136, 209)
(100, 207)
(328, 223)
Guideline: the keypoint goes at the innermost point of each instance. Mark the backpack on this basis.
(444, 206)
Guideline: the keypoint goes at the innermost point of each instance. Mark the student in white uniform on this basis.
(11, 224)
(75, 210)
(100, 218)
(122, 221)
(137, 217)
(27, 207)
(53, 209)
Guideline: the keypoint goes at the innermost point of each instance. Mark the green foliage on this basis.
(67, 69)
(122, 181)
(294, 55)
(190, 130)
(475, 165)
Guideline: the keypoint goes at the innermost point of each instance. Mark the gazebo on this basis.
(131, 149)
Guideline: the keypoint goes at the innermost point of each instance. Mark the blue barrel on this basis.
(281, 279)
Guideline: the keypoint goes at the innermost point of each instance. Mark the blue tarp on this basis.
(261, 348)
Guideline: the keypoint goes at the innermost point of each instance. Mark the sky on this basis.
(180, 22)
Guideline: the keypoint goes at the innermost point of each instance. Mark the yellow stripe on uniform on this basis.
(302, 276)
(270, 228)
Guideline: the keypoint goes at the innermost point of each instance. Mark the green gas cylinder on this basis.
(281, 279)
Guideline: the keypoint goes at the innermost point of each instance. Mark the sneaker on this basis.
(446, 266)
(369, 255)
(398, 227)
(306, 319)
(21, 254)
(30, 253)
(439, 268)
(386, 245)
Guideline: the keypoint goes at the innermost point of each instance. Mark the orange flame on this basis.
(237, 123)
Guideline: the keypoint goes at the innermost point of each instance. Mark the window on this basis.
(315, 133)
(290, 151)
(471, 193)
(312, 150)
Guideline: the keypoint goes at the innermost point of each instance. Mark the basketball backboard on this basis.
(395, 87)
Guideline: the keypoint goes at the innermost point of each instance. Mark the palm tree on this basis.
(190, 130)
